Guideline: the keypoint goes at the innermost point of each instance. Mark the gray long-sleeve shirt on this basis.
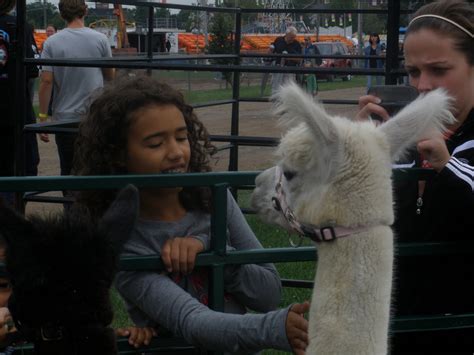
(178, 303)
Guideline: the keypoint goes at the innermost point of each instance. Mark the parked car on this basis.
(334, 48)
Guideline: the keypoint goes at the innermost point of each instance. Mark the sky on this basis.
(182, 2)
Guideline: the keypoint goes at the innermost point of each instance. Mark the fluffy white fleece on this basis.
(342, 176)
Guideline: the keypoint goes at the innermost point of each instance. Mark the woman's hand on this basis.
(179, 254)
(297, 328)
(368, 105)
(137, 336)
(434, 150)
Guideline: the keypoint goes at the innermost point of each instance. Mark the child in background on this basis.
(310, 81)
(141, 126)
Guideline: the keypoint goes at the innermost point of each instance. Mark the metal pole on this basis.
(359, 35)
(205, 19)
(151, 13)
(234, 129)
(20, 97)
(393, 24)
(45, 15)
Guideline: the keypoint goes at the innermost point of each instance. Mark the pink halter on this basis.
(316, 233)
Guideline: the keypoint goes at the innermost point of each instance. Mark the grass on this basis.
(252, 91)
(246, 91)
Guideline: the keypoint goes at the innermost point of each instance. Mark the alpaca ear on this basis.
(428, 115)
(121, 217)
(293, 105)
(13, 226)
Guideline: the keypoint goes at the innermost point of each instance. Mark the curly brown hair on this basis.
(6, 6)
(101, 145)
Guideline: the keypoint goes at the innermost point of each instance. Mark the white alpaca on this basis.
(337, 173)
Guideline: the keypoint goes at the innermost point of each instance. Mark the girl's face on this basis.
(158, 141)
(432, 62)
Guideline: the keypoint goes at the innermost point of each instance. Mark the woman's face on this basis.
(432, 62)
(50, 31)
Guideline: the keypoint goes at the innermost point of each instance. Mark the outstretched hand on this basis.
(179, 254)
(137, 336)
(297, 327)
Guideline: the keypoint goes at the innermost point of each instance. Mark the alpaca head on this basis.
(61, 269)
(335, 171)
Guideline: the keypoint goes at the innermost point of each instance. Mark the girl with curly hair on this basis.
(141, 126)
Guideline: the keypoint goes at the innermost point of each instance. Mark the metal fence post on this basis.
(393, 23)
(234, 130)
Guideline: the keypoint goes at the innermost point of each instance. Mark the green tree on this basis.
(220, 31)
(185, 20)
(141, 15)
(38, 12)
(162, 12)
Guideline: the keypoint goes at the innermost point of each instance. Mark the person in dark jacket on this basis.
(438, 54)
(286, 44)
(9, 113)
(373, 49)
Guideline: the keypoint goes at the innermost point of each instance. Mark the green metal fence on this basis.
(218, 257)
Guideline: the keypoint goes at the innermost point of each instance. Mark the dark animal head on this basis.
(61, 269)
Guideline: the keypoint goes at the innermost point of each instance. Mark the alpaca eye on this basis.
(289, 175)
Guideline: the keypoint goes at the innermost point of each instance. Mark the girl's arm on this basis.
(257, 286)
(157, 297)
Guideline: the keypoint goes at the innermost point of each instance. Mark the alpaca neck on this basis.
(351, 298)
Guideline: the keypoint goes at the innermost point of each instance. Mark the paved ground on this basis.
(255, 120)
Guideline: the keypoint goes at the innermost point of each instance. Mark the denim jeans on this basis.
(378, 80)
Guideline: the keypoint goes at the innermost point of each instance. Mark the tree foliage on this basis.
(185, 19)
(221, 42)
(37, 13)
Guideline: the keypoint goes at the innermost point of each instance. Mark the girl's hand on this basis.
(179, 254)
(137, 336)
(368, 105)
(297, 328)
(434, 150)
(44, 137)
(6, 325)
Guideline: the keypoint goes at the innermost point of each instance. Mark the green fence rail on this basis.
(218, 257)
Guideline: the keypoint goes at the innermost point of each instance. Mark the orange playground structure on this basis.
(194, 43)
(40, 37)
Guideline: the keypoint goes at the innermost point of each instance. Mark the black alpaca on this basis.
(61, 269)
